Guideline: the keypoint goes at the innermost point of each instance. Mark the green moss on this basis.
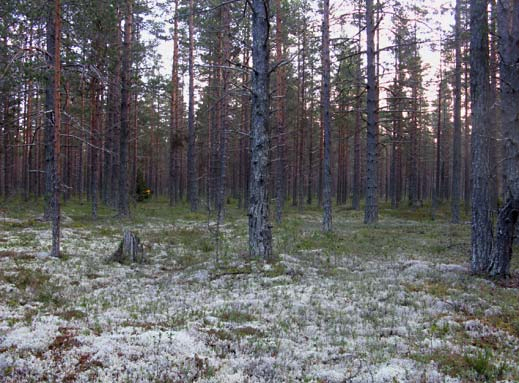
(72, 314)
(478, 367)
(237, 316)
(33, 284)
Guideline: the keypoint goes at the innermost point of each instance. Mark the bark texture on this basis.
(260, 236)
(54, 166)
(371, 209)
(456, 143)
(327, 167)
(130, 249)
(280, 117)
(481, 236)
(191, 155)
(124, 205)
(508, 22)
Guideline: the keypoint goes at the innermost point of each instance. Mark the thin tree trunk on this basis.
(124, 205)
(54, 166)
(173, 132)
(371, 209)
(280, 117)
(94, 134)
(467, 161)
(302, 123)
(28, 144)
(356, 138)
(456, 143)
(116, 128)
(310, 145)
(437, 190)
(191, 155)
(327, 166)
(49, 109)
(225, 53)
(260, 236)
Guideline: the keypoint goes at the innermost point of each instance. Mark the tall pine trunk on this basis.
(358, 121)
(55, 134)
(224, 101)
(508, 22)
(456, 143)
(174, 137)
(437, 192)
(280, 117)
(191, 155)
(327, 166)
(260, 236)
(124, 204)
(481, 237)
(371, 209)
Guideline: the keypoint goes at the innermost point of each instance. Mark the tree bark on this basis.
(481, 237)
(327, 166)
(174, 137)
(508, 22)
(54, 165)
(260, 236)
(371, 209)
(49, 109)
(358, 120)
(224, 100)
(130, 250)
(456, 143)
(191, 155)
(466, 144)
(437, 192)
(124, 205)
(280, 117)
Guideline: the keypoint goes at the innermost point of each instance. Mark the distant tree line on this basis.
(268, 103)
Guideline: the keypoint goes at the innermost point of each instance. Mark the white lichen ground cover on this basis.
(390, 303)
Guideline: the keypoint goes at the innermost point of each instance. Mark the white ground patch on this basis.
(179, 318)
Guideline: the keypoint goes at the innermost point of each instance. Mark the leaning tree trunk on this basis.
(260, 236)
(508, 21)
(371, 209)
(480, 93)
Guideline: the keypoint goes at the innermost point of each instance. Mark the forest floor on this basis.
(393, 302)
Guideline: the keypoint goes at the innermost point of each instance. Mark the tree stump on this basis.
(130, 249)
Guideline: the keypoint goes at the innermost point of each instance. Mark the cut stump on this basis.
(130, 249)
